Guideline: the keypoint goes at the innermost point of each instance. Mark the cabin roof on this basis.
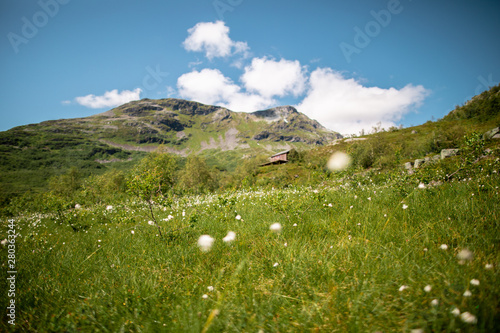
(281, 153)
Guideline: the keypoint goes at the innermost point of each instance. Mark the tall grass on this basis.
(348, 258)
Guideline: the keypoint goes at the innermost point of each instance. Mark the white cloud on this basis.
(347, 106)
(274, 78)
(210, 86)
(213, 39)
(109, 99)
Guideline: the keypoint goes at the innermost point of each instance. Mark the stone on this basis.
(492, 134)
(449, 152)
(408, 166)
(419, 162)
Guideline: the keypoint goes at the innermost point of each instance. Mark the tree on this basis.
(152, 180)
(197, 176)
(67, 184)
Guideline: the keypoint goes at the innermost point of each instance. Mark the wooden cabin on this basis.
(279, 158)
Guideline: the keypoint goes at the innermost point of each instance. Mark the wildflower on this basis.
(78, 206)
(275, 264)
(464, 255)
(205, 242)
(295, 224)
(231, 236)
(276, 227)
(405, 206)
(109, 207)
(443, 247)
(330, 205)
(205, 296)
(210, 288)
(427, 288)
(369, 199)
(474, 282)
(286, 244)
(435, 302)
(468, 318)
(421, 185)
(183, 213)
(351, 207)
(238, 217)
(132, 232)
(467, 293)
(417, 330)
(4, 242)
(455, 312)
(488, 266)
(403, 287)
(151, 223)
(338, 161)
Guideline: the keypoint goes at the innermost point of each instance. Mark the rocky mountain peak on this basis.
(277, 113)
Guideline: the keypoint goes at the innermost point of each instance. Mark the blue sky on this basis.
(349, 64)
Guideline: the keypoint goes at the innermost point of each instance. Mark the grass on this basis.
(338, 264)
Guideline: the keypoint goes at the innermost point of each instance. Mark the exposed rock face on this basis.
(492, 134)
(277, 113)
(187, 107)
(448, 152)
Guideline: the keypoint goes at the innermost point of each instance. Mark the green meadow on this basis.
(361, 253)
(151, 242)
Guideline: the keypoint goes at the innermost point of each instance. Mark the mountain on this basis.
(31, 154)
(186, 127)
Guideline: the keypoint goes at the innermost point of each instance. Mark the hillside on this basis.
(116, 139)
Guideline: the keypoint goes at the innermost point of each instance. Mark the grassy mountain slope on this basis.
(386, 150)
(31, 154)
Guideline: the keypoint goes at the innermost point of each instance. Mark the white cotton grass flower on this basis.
(435, 302)
(474, 282)
(455, 312)
(231, 236)
(403, 287)
(205, 242)
(443, 247)
(465, 255)
(275, 227)
(467, 293)
(428, 288)
(338, 161)
(468, 318)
